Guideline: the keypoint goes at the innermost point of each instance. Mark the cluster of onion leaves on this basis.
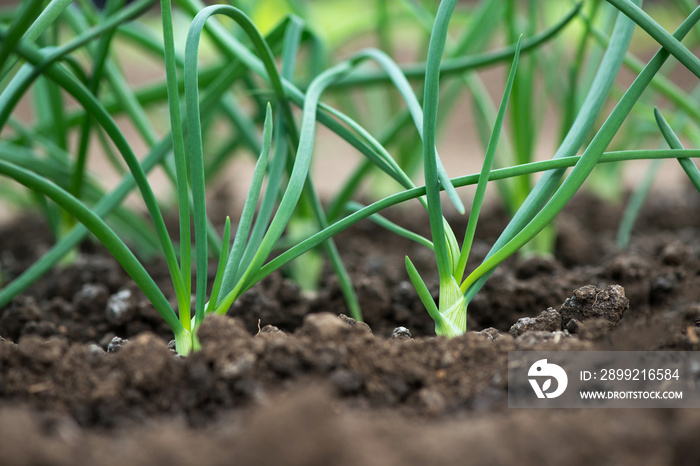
(243, 264)
(550, 194)
(281, 175)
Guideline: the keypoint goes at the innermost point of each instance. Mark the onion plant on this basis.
(189, 183)
(455, 292)
(215, 79)
(281, 185)
(252, 243)
(540, 212)
(545, 200)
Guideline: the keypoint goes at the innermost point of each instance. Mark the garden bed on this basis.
(284, 380)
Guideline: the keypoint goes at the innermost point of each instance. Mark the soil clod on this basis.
(549, 320)
(590, 302)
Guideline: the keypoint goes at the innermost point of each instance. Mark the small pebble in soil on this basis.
(548, 320)
(401, 333)
(116, 344)
(119, 309)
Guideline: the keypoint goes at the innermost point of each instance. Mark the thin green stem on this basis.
(497, 174)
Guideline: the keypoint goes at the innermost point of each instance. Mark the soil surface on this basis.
(287, 378)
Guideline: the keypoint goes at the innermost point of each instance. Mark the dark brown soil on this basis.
(288, 379)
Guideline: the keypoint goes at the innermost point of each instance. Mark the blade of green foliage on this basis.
(462, 64)
(660, 83)
(100, 55)
(497, 174)
(47, 16)
(235, 49)
(673, 142)
(195, 156)
(296, 180)
(75, 88)
(438, 39)
(218, 278)
(292, 38)
(423, 292)
(634, 205)
(234, 262)
(391, 226)
(587, 162)
(55, 105)
(668, 41)
(58, 172)
(486, 169)
(589, 111)
(14, 91)
(178, 142)
(105, 206)
(105, 234)
(43, 111)
(524, 114)
(21, 21)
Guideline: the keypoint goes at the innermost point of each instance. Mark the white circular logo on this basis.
(543, 369)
